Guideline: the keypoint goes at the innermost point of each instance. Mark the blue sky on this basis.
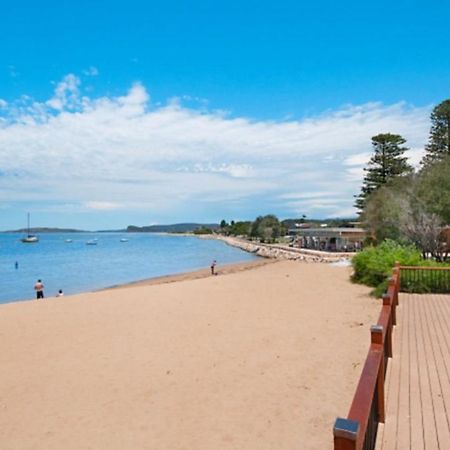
(153, 112)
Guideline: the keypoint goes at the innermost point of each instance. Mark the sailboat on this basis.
(31, 238)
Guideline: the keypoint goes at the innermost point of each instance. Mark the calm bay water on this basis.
(76, 267)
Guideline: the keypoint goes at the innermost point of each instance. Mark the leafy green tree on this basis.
(223, 224)
(255, 227)
(268, 228)
(399, 210)
(381, 214)
(386, 163)
(240, 228)
(439, 141)
(434, 188)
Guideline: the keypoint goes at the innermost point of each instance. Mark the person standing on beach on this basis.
(39, 288)
(213, 267)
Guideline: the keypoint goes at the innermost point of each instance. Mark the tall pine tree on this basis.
(386, 163)
(439, 141)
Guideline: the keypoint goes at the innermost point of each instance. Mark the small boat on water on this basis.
(68, 241)
(124, 240)
(31, 238)
(91, 242)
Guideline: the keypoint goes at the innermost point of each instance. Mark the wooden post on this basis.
(376, 334)
(345, 433)
(380, 392)
(388, 301)
(399, 271)
(392, 283)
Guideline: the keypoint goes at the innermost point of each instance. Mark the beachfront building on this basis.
(444, 243)
(329, 239)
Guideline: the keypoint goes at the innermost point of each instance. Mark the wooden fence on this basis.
(434, 280)
(359, 430)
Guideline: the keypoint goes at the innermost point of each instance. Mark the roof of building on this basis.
(334, 230)
(328, 232)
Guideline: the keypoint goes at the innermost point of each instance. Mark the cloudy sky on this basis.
(150, 114)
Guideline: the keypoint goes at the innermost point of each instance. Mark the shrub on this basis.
(373, 265)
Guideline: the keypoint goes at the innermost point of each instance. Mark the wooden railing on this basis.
(425, 279)
(359, 430)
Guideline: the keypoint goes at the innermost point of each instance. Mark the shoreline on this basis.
(135, 277)
(265, 253)
(247, 360)
(225, 269)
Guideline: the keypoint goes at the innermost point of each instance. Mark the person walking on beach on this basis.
(213, 267)
(39, 288)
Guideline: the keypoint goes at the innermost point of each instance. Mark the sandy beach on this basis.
(258, 359)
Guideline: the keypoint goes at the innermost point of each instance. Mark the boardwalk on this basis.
(418, 377)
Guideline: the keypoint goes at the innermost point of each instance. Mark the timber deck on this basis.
(418, 376)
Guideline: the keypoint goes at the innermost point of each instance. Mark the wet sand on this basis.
(248, 360)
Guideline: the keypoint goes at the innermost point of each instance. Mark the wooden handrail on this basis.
(424, 268)
(356, 431)
(360, 409)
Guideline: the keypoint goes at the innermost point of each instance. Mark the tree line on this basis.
(266, 228)
(400, 203)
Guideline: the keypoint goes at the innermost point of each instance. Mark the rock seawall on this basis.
(276, 251)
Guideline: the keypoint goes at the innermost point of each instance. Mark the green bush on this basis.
(373, 266)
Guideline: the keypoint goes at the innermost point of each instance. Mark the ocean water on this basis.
(76, 267)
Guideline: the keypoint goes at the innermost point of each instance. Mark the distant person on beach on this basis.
(60, 293)
(16, 265)
(39, 288)
(213, 267)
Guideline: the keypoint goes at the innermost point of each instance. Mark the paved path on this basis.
(418, 377)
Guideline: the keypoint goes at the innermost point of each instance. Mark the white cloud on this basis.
(307, 195)
(111, 153)
(66, 94)
(415, 155)
(355, 173)
(360, 159)
(102, 206)
(233, 170)
(91, 72)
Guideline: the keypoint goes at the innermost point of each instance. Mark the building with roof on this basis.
(329, 239)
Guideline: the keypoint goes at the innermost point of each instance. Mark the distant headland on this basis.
(173, 228)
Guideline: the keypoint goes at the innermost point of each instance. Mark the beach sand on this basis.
(250, 360)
